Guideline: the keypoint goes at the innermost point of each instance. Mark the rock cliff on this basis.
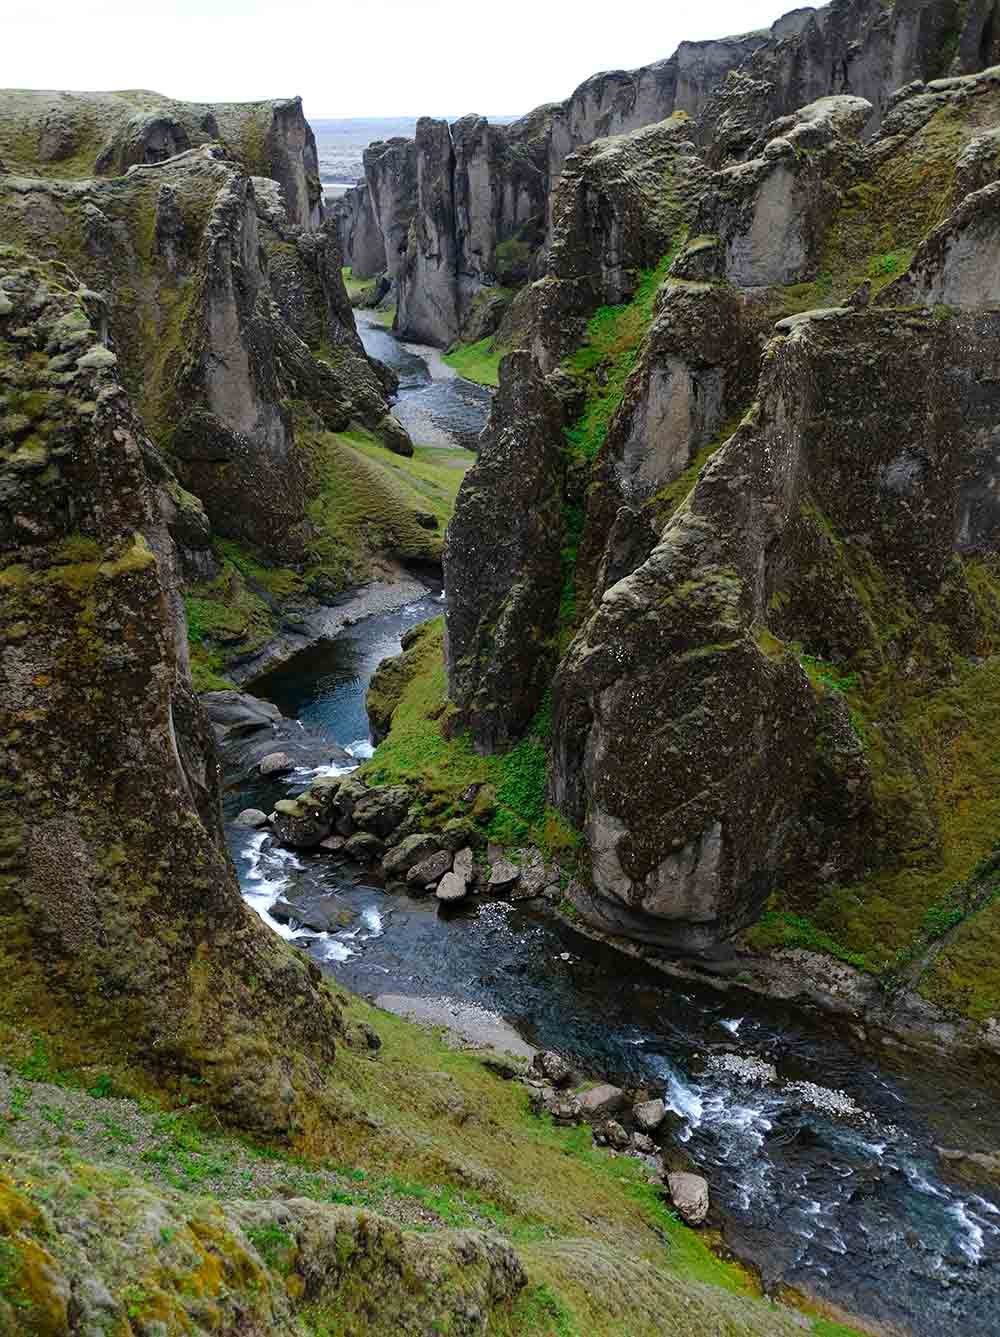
(79, 135)
(489, 191)
(776, 372)
(119, 931)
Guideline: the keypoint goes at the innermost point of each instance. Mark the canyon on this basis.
(711, 703)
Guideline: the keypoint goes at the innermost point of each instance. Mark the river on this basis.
(820, 1157)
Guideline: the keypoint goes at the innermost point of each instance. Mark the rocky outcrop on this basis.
(957, 264)
(249, 732)
(217, 303)
(770, 214)
(128, 933)
(497, 202)
(750, 778)
(503, 562)
(74, 135)
(361, 242)
(857, 47)
(618, 209)
(391, 178)
(257, 1265)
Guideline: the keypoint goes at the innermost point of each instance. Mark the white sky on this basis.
(348, 58)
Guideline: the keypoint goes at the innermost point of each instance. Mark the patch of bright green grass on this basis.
(478, 362)
(608, 354)
(417, 750)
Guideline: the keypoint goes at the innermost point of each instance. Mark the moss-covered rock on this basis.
(123, 930)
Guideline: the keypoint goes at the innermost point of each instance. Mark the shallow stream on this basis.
(820, 1157)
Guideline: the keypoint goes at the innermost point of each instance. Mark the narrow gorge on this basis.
(500, 701)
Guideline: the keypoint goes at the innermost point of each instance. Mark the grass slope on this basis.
(364, 514)
(478, 362)
(421, 1133)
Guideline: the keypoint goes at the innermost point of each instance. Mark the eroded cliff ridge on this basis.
(465, 211)
(770, 644)
(123, 927)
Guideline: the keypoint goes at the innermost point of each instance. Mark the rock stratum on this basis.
(464, 211)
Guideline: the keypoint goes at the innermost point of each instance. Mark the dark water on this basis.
(443, 410)
(821, 1159)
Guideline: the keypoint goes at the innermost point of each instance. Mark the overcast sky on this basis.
(346, 58)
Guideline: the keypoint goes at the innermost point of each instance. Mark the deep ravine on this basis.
(821, 1158)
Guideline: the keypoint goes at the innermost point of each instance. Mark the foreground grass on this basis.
(422, 1133)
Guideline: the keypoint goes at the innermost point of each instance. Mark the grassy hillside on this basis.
(177, 1219)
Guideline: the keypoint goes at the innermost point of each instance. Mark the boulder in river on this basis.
(324, 915)
(276, 763)
(364, 847)
(465, 864)
(410, 850)
(451, 888)
(689, 1194)
(248, 730)
(251, 817)
(503, 875)
(552, 1066)
(381, 811)
(649, 1114)
(601, 1100)
(430, 870)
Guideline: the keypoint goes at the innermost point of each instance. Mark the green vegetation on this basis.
(512, 803)
(477, 362)
(368, 505)
(928, 736)
(603, 362)
(202, 1210)
(880, 221)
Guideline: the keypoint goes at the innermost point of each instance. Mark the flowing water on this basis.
(820, 1158)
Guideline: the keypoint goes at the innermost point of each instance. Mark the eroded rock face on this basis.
(744, 776)
(770, 214)
(213, 323)
(505, 178)
(503, 573)
(361, 242)
(959, 262)
(121, 925)
(618, 208)
(104, 134)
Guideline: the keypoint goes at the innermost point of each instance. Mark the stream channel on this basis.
(820, 1157)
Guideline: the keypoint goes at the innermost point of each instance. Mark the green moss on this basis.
(419, 750)
(367, 501)
(477, 362)
(608, 354)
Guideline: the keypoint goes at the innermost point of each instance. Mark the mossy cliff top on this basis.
(75, 135)
(122, 925)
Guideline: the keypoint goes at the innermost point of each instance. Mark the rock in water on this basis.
(276, 763)
(503, 875)
(250, 817)
(411, 850)
(452, 887)
(465, 864)
(430, 870)
(601, 1100)
(649, 1115)
(689, 1194)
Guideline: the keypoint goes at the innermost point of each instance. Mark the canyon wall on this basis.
(488, 191)
(780, 548)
